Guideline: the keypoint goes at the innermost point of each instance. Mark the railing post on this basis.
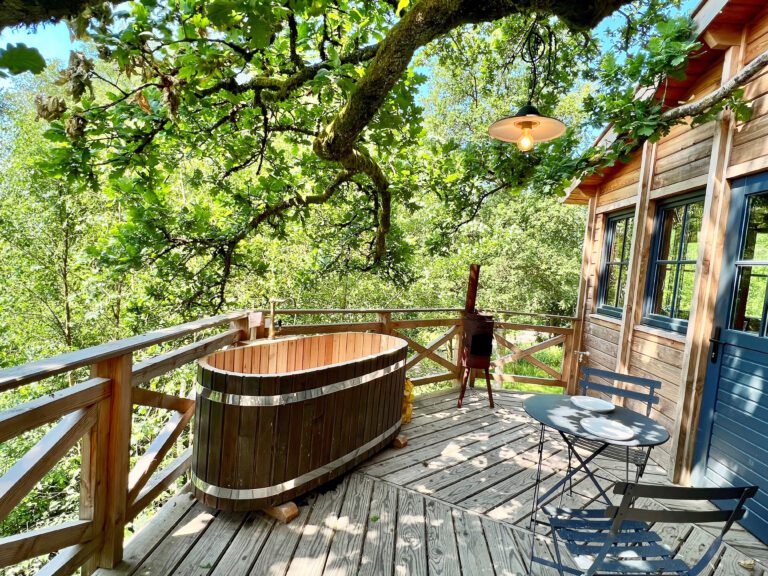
(105, 469)
(573, 359)
(242, 324)
(567, 362)
(257, 326)
(385, 318)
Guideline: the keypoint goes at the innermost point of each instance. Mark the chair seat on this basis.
(636, 549)
(618, 541)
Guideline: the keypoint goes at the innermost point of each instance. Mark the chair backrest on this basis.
(644, 388)
(627, 511)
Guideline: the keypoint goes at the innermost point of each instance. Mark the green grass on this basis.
(550, 356)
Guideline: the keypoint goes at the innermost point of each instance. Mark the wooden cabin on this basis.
(675, 267)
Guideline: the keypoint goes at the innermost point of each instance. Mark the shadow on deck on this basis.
(456, 500)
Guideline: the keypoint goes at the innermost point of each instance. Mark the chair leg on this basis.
(558, 558)
(488, 385)
(464, 380)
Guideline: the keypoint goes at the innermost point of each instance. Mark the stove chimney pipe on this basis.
(474, 278)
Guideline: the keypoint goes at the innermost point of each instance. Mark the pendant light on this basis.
(528, 126)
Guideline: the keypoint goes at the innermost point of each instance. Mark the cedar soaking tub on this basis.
(277, 418)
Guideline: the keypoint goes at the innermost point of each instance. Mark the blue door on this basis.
(732, 439)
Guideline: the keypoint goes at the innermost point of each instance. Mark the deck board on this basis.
(441, 540)
(347, 545)
(455, 501)
(379, 546)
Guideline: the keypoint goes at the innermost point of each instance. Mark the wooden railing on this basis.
(98, 411)
(441, 340)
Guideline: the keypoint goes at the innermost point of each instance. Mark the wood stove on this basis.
(477, 338)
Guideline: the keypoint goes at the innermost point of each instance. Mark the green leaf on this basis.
(20, 58)
(261, 33)
(220, 12)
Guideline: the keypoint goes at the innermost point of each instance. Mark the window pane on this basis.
(671, 233)
(611, 284)
(685, 291)
(665, 287)
(628, 244)
(756, 242)
(692, 229)
(622, 286)
(618, 241)
(750, 298)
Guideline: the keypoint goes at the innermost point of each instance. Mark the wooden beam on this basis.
(722, 37)
(118, 443)
(433, 378)
(582, 298)
(336, 311)
(528, 314)
(328, 328)
(146, 370)
(588, 268)
(523, 353)
(638, 262)
(679, 187)
(94, 464)
(531, 360)
(70, 559)
(706, 281)
(153, 456)
(706, 12)
(20, 547)
(30, 468)
(155, 399)
(429, 350)
(533, 328)
(243, 325)
(19, 419)
(526, 379)
(160, 481)
(385, 319)
(13, 377)
(426, 323)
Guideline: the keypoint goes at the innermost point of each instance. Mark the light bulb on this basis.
(525, 142)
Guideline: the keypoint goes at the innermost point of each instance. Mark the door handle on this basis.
(715, 340)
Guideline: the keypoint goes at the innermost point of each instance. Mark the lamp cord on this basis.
(536, 46)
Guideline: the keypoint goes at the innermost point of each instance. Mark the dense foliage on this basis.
(217, 122)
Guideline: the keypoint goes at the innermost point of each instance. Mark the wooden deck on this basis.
(455, 501)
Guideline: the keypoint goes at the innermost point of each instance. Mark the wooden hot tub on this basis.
(277, 418)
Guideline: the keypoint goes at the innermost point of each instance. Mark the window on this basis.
(751, 297)
(672, 267)
(616, 251)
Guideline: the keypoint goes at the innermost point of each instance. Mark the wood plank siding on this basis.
(750, 145)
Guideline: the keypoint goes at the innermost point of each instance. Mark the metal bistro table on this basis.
(560, 414)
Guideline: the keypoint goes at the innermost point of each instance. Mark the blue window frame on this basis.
(672, 266)
(617, 246)
(749, 311)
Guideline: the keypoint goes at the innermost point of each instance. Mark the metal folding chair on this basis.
(618, 539)
(643, 390)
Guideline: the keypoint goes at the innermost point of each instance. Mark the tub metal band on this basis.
(291, 397)
(269, 491)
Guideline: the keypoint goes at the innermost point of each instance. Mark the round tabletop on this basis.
(558, 412)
